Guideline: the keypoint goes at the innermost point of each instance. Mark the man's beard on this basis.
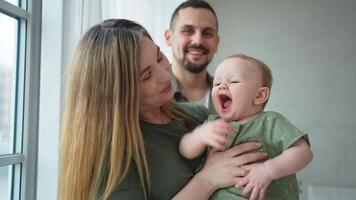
(191, 67)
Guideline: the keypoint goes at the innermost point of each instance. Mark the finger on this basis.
(239, 172)
(247, 167)
(212, 151)
(262, 194)
(254, 193)
(249, 158)
(247, 190)
(228, 127)
(243, 148)
(223, 127)
(241, 183)
(220, 139)
(218, 146)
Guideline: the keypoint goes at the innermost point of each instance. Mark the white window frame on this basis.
(27, 101)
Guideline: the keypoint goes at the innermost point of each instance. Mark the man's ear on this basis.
(262, 96)
(168, 37)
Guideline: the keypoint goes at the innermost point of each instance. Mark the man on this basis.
(193, 37)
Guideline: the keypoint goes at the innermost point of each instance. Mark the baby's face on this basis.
(236, 85)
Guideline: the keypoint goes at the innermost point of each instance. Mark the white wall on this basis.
(310, 45)
(50, 99)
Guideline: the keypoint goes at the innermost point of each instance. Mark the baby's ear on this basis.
(262, 96)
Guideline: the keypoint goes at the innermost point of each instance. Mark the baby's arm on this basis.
(289, 162)
(213, 133)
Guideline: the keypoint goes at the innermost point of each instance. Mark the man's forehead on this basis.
(196, 17)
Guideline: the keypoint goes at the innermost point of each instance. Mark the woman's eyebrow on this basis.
(158, 51)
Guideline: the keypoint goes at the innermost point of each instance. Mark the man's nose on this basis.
(197, 38)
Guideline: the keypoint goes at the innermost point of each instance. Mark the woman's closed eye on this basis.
(145, 76)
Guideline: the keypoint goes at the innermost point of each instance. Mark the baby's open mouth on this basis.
(225, 101)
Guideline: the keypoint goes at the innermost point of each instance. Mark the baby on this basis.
(241, 89)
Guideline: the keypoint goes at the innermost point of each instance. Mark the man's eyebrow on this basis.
(187, 26)
(208, 28)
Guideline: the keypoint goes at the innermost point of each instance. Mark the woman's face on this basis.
(155, 85)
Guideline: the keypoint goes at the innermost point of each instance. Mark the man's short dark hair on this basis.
(192, 4)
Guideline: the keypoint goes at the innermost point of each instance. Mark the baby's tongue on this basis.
(226, 104)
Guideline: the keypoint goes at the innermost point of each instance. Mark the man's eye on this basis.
(187, 31)
(207, 34)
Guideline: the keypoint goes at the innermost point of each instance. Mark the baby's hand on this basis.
(256, 181)
(215, 133)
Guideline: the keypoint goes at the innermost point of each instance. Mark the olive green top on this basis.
(276, 134)
(169, 171)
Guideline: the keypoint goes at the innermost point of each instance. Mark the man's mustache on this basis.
(195, 47)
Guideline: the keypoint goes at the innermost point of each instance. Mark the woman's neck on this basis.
(155, 116)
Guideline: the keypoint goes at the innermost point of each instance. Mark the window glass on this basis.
(15, 2)
(5, 182)
(8, 52)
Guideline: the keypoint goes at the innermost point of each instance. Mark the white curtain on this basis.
(154, 15)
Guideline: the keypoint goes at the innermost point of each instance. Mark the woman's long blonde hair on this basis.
(100, 134)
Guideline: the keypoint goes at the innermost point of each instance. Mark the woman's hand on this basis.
(222, 169)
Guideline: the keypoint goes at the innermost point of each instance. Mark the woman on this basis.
(121, 130)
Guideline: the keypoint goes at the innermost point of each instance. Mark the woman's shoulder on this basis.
(197, 111)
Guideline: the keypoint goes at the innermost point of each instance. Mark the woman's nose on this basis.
(163, 74)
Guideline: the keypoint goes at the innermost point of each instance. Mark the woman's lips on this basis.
(167, 89)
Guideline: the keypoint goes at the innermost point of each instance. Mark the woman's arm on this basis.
(222, 169)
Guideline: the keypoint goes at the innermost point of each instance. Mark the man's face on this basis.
(194, 38)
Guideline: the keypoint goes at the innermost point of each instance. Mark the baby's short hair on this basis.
(266, 73)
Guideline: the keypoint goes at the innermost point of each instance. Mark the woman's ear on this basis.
(262, 96)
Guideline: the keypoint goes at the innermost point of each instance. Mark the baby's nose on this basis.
(222, 86)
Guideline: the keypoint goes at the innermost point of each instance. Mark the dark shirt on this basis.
(169, 171)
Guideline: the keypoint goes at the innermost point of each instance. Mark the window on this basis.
(19, 80)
